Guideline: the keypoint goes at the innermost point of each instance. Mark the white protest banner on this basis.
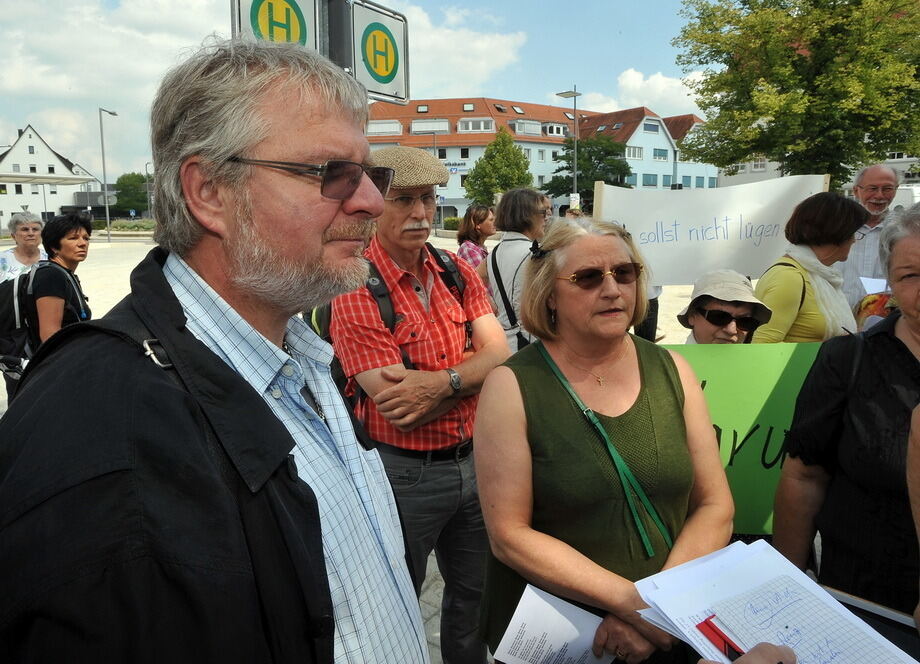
(684, 233)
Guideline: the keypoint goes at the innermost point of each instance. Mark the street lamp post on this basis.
(105, 192)
(147, 183)
(573, 94)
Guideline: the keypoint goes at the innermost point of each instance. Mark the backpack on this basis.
(19, 337)
(321, 316)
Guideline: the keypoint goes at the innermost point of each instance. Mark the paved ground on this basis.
(105, 275)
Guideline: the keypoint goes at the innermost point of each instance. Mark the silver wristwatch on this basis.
(456, 384)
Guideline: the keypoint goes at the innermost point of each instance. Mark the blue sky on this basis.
(65, 58)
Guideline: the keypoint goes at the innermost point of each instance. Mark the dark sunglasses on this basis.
(340, 178)
(592, 277)
(721, 318)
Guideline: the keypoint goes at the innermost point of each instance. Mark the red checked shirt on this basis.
(434, 338)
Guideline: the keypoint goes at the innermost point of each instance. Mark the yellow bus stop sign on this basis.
(379, 52)
(278, 21)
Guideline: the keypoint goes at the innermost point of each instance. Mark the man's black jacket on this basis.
(128, 533)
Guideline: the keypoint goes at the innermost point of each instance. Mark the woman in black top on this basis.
(59, 300)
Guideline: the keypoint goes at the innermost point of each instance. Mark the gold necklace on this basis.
(601, 380)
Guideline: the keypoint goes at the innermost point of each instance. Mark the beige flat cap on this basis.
(414, 167)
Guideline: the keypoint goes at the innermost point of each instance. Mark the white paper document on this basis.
(547, 630)
(757, 595)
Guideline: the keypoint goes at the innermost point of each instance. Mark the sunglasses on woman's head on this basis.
(340, 178)
(592, 277)
(721, 318)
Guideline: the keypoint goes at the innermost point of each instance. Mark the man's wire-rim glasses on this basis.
(340, 178)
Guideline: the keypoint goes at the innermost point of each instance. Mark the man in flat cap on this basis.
(418, 383)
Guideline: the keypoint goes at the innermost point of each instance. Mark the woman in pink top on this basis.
(478, 224)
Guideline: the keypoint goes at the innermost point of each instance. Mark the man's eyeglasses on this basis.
(858, 235)
(874, 189)
(591, 277)
(408, 202)
(721, 318)
(340, 178)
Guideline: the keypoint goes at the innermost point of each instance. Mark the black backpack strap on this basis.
(450, 275)
(802, 297)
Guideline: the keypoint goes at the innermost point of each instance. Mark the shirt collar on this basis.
(389, 270)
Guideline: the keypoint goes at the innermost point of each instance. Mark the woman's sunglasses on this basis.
(592, 277)
(721, 318)
(340, 178)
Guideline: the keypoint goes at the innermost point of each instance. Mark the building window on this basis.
(33, 168)
(617, 125)
(631, 179)
(464, 153)
(601, 128)
(501, 108)
(527, 153)
(712, 183)
(742, 168)
(633, 152)
(421, 108)
(17, 188)
(429, 126)
(665, 180)
(650, 127)
(31, 149)
(2, 190)
(541, 180)
(462, 180)
(569, 116)
(442, 153)
(518, 110)
(649, 180)
(759, 165)
(541, 155)
(685, 181)
(51, 168)
(35, 189)
(700, 182)
(15, 168)
(555, 129)
(384, 128)
(555, 155)
(479, 124)
(52, 188)
(468, 107)
(659, 154)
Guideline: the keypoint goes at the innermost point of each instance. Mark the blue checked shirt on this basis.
(377, 616)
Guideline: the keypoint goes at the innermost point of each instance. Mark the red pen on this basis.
(719, 639)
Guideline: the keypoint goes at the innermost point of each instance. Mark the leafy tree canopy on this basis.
(820, 86)
(132, 194)
(599, 158)
(503, 166)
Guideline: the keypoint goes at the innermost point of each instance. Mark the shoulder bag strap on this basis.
(627, 479)
(802, 296)
(509, 310)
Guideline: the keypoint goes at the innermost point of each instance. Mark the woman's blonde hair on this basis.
(543, 267)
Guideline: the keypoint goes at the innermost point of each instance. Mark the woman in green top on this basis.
(803, 288)
(596, 459)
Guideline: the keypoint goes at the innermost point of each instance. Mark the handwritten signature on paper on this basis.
(822, 652)
(760, 611)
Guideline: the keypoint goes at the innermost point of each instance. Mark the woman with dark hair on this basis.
(581, 426)
(57, 295)
(521, 215)
(803, 288)
(477, 225)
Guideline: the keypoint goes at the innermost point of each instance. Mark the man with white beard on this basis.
(875, 188)
(181, 482)
(421, 379)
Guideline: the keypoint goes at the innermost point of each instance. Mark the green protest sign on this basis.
(751, 392)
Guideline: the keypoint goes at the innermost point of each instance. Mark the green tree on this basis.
(503, 166)
(599, 158)
(132, 194)
(820, 86)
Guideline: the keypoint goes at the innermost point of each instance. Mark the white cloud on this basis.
(451, 59)
(665, 95)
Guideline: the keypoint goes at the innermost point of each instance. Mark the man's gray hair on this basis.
(209, 106)
(20, 218)
(904, 223)
(862, 173)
